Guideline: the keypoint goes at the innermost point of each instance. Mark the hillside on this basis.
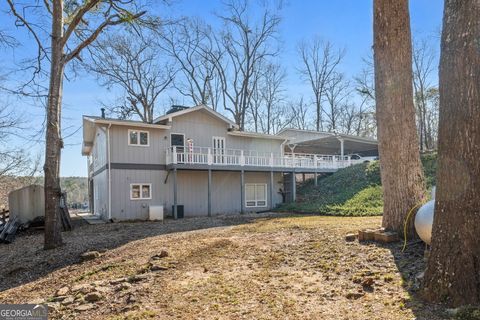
(353, 191)
(76, 187)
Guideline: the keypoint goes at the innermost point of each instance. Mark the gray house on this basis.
(194, 161)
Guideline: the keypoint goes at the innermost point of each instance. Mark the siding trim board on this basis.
(139, 166)
(100, 170)
(206, 167)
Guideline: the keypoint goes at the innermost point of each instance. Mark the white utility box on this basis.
(155, 213)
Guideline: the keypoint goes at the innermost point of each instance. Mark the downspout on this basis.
(109, 174)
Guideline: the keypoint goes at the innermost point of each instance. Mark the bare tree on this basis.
(74, 26)
(267, 98)
(189, 42)
(13, 161)
(134, 64)
(337, 92)
(423, 58)
(365, 88)
(241, 49)
(319, 61)
(453, 268)
(401, 169)
(299, 112)
(431, 134)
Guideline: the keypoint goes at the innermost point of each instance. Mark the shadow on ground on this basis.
(411, 264)
(24, 260)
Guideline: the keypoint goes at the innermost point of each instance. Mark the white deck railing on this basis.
(233, 157)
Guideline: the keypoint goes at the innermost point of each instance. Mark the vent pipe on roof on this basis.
(103, 112)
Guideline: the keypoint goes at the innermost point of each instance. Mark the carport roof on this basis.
(327, 142)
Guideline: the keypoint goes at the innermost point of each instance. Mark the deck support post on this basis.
(271, 190)
(175, 204)
(294, 186)
(341, 149)
(315, 182)
(209, 192)
(242, 191)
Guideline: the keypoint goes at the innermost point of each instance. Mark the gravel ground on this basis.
(267, 266)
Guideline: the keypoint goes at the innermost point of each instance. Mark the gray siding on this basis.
(100, 194)
(99, 153)
(192, 192)
(121, 152)
(202, 127)
(125, 209)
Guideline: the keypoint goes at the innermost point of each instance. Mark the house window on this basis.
(177, 139)
(255, 195)
(138, 138)
(140, 191)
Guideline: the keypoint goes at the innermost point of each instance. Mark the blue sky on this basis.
(346, 23)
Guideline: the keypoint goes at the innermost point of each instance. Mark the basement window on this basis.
(140, 191)
(255, 195)
(138, 138)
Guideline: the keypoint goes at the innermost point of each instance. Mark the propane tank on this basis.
(424, 219)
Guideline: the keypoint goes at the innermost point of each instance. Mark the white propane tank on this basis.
(424, 219)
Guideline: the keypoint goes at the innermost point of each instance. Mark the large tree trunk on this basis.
(453, 270)
(401, 169)
(53, 145)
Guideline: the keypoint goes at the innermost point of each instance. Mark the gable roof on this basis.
(168, 117)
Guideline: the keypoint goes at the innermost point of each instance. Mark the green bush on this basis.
(367, 202)
(429, 162)
(353, 191)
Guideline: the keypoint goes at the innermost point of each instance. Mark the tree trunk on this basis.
(53, 145)
(401, 169)
(453, 269)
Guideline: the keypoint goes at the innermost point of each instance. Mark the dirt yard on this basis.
(243, 267)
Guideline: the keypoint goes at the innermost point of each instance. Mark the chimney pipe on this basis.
(103, 112)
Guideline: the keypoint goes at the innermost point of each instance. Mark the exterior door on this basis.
(178, 140)
(218, 150)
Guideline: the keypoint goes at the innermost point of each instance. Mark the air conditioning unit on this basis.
(155, 213)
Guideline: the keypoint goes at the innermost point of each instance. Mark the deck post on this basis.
(242, 191)
(175, 216)
(209, 157)
(315, 178)
(341, 150)
(242, 158)
(174, 155)
(209, 192)
(294, 186)
(271, 189)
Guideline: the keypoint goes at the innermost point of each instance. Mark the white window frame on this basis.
(219, 138)
(138, 138)
(141, 186)
(255, 192)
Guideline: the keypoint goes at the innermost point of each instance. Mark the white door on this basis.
(218, 150)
